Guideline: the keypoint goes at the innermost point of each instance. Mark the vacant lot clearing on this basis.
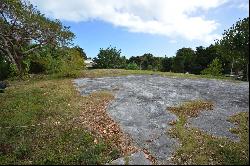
(141, 102)
(124, 119)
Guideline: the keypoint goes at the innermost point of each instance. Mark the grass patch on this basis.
(201, 148)
(93, 73)
(191, 109)
(121, 72)
(39, 124)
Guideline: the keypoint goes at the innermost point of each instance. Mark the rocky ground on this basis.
(140, 108)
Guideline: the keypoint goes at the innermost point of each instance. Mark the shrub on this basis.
(44, 63)
(64, 61)
(150, 67)
(132, 66)
(71, 62)
(215, 68)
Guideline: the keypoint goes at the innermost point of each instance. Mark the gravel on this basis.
(140, 106)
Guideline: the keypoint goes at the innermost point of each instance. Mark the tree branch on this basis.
(13, 24)
(6, 49)
(32, 49)
(4, 17)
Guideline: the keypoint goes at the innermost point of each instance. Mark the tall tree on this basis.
(157, 63)
(183, 62)
(235, 43)
(23, 29)
(178, 64)
(167, 64)
(204, 57)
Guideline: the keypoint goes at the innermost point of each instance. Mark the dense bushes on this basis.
(57, 61)
(63, 61)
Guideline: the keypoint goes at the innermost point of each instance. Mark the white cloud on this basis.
(171, 18)
(244, 6)
(173, 41)
(240, 4)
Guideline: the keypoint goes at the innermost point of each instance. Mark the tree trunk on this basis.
(247, 71)
(232, 66)
(18, 64)
(19, 67)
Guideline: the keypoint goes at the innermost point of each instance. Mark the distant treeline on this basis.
(186, 60)
(217, 59)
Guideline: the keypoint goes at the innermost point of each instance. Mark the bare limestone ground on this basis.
(140, 108)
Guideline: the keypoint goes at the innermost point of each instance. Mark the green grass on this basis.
(37, 126)
(93, 73)
(201, 148)
(120, 72)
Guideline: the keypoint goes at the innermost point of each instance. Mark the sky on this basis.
(160, 27)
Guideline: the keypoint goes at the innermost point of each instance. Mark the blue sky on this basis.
(160, 27)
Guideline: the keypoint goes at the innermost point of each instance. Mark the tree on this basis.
(215, 68)
(23, 30)
(183, 62)
(81, 51)
(178, 64)
(205, 56)
(147, 61)
(136, 60)
(110, 58)
(167, 64)
(235, 44)
(157, 63)
(189, 58)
